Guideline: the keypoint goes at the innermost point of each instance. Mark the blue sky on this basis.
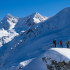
(21, 8)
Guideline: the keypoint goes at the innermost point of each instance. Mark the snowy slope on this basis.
(60, 54)
(34, 40)
(6, 36)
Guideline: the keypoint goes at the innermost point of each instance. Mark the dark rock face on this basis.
(54, 65)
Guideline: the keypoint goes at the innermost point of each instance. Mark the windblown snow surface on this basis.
(29, 39)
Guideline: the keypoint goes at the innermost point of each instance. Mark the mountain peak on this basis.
(68, 8)
(36, 14)
(9, 15)
(65, 11)
(38, 17)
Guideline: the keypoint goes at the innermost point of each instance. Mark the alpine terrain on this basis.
(27, 43)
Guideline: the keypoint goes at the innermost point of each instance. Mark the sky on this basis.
(22, 8)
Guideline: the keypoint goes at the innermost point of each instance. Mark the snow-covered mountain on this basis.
(8, 22)
(34, 35)
(12, 26)
(29, 21)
